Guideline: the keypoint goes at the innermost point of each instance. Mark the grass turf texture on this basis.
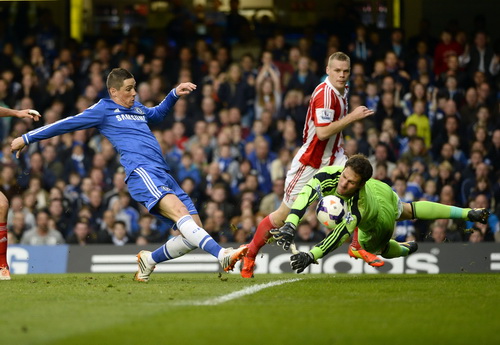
(319, 309)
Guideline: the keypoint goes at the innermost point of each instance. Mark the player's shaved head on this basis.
(340, 57)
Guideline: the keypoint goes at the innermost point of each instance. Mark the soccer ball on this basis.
(330, 211)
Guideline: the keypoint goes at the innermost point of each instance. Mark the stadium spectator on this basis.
(17, 228)
(272, 200)
(120, 235)
(491, 227)
(236, 91)
(306, 233)
(453, 70)
(387, 108)
(360, 47)
(60, 215)
(82, 233)
(235, 22)
(420, 119)
(303, 78)
(268, 89)
(146, 230)
(381, 156)
(494, 152)
(437, 233)
(42, 234)
(105, 231)
(480, 57)
(188, 169)
(448, 46)
(261, 159)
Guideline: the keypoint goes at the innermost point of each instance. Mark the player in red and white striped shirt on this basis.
(4, 203)
(322, 145)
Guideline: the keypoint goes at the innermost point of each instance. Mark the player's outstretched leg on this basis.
(4, 267)
(258, 241)
(231, 257)
(356, 251)
(173, 248)
(247, 265)
(145, 267)
(396, 249)
(427, 210)
(197, 236)
(478, 215)
(369, 258)
(177, 247)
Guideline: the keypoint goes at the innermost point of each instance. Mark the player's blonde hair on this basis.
(340, 56)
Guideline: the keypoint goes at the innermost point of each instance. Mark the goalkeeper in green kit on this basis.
(372, 207)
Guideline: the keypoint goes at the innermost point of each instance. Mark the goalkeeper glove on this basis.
(301, 261)
(284, 236)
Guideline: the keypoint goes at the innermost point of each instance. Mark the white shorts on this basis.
(299, 174)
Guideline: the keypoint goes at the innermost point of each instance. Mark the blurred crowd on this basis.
(435, 134)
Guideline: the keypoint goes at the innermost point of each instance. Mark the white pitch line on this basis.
(237, 294)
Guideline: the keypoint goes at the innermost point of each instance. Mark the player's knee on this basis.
(171, 207)
(278, 217)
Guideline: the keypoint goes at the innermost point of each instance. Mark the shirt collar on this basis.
(346, 90)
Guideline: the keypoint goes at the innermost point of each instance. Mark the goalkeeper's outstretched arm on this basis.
(305, 198)
(335, 239)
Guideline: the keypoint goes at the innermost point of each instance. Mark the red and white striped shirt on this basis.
(326, 105)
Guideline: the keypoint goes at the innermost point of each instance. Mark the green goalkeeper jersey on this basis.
(373, 210)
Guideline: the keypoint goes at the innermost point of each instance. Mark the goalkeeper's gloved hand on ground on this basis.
(284, 236)
(301, 261)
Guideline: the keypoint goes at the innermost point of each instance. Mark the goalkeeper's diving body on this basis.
(372, 208)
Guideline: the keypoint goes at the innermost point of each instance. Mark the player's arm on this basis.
(305, 198)
(323, 182)
(25, 113)
(341, 232)
(158, 113)
(324, 132)
(284, 236)
(91, 117)
(335, 239)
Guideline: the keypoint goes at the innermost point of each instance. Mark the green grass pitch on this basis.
(318, 309)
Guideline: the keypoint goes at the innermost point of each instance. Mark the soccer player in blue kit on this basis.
(124, 121)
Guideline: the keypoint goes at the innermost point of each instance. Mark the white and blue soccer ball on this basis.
(330, 211)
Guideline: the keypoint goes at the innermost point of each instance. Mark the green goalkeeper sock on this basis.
(394, 250)
(432, 210)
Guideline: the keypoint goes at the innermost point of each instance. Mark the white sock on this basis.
(173, 248)
(178, 246)
(198, 236)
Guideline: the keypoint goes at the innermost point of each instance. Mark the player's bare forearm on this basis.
(338, 126)
(25, 113)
